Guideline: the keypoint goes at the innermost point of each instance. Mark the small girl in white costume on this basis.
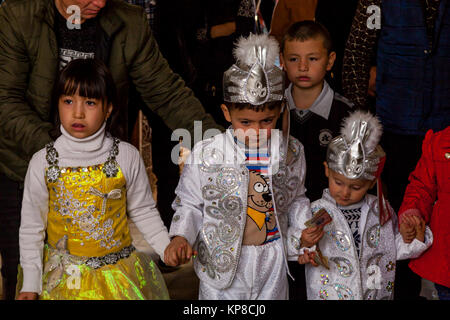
(79, 193)
(362, 243)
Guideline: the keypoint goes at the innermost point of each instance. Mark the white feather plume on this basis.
(374, 128)
(244, 51)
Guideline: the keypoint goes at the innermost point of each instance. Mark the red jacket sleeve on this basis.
(421, 191)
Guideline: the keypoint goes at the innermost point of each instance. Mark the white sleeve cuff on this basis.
(32, 281)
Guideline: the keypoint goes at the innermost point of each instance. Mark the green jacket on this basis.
(29, 65)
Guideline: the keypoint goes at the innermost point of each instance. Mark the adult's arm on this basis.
(421, 192)
(162, 90)
(20, 124)
(358, 54)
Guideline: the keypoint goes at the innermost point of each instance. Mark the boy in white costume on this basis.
(362, 242)
(241, 200)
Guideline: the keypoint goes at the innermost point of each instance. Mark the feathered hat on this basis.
(254, 78)
(356, 153)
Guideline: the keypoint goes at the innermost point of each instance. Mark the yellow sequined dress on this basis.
(88, 253)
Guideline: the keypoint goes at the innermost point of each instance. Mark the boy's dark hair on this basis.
(305, 30)
(91, 79)
(241, 106)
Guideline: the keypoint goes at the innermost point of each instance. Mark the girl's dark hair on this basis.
(89, 78)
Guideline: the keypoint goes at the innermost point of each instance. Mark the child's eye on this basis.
(293, 59)
(313, 59)
(356, 188)
(91, 103)
(337, 182)
(268, 120)
(245, 123)
(67, 101)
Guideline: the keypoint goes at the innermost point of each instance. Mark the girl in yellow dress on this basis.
(79, 192)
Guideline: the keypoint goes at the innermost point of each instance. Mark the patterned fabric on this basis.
(353, 217)
(358, 55)
(257, 162)
(89, 208)
(266, 281)
(360, 49)
(75, 43)
(88, 254)
(136, 277)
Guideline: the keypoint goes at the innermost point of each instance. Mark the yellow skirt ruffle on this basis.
(134, 278)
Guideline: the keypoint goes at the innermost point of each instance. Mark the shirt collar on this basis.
(321, 106)
(92, 143)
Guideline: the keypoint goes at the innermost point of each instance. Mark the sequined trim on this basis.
(373, 236)
(53, 171)
(343, 265)
(343, 292)
(341, 239)
(110, 167)
(110, 258)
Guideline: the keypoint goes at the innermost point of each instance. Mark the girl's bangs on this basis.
(87, 87)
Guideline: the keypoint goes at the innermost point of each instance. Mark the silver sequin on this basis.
(343, 292)
(343, 265)
(341, 239)
(373, 236)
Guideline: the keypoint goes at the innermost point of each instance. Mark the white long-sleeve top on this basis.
(73, 152)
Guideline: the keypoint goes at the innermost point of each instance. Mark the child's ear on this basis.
(109, 110)
(373, 183)
(226, 112)
(327, 173)
(282, 61)
(331, 59)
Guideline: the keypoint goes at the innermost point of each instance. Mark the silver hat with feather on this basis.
(254, 78)
(356, 153)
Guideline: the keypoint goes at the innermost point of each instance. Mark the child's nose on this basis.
(303, 65)
(78, 112)
(347, 192)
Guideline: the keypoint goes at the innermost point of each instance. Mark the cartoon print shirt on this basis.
(261, 226)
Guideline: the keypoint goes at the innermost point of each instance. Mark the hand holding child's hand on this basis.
(307, 257)
(407, 229)
(310, 236)
(419, 227)
(178, 252)
(27, 296)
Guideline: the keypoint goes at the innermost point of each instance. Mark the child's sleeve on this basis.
(415, 248)
(188, 204)
(299, 212)
(420, 194)
(33, 224)
(141, 206)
